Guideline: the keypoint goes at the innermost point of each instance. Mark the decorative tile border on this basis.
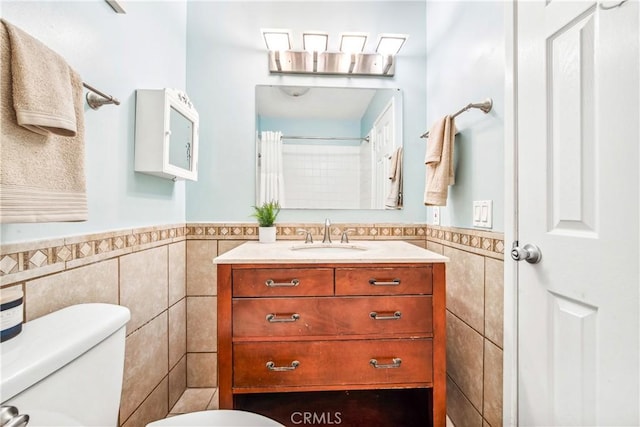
(487, 243)
(25, 261)
(242, 231)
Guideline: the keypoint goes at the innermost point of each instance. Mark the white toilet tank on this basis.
(65, 368)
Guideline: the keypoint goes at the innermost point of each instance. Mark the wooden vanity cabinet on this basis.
(332, 327)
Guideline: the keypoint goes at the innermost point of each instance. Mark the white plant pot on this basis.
(267, 234)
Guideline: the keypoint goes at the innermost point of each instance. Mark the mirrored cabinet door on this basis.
(180, 139)
(166, 143)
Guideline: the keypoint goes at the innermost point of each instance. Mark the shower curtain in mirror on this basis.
(271, 170)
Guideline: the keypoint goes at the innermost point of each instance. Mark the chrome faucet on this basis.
(308, 237)
(345, 235)
(326, 238)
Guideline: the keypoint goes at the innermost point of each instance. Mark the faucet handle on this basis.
(308, 238)
(345, 235)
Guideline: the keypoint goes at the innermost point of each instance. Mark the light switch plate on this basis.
(436, 215)
(483, 213)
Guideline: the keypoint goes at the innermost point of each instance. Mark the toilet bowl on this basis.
(217, 418)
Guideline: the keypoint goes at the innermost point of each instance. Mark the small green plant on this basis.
(267, 213)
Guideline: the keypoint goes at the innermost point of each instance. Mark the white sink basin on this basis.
(328, 248)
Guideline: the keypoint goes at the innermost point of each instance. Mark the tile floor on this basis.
(200, 399)
(195, 399)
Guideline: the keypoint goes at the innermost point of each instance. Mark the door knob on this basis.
(530, 253)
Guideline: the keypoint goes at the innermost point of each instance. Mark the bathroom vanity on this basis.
(333, 334)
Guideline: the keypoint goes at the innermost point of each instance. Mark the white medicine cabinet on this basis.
(166, 141)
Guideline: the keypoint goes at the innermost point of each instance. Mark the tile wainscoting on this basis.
(474, 323)
(165, 276)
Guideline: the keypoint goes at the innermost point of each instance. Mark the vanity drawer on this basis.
(268, 317)
(282, 282)
(384, 281)
(331, 363)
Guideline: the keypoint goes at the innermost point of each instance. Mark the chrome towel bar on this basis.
(97, 99)
(484, 106)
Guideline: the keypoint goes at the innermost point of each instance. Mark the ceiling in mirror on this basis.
(334, 148)
(315, 103)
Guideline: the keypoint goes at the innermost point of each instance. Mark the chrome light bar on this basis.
(335, 63)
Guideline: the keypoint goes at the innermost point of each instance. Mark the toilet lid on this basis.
(216, 418)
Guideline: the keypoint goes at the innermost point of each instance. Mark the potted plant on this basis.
(266, 216)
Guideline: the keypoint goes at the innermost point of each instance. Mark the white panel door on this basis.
(578, 196)
(385, 144)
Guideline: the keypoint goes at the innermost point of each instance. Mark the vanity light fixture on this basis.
(352, 42)
(315, 58)
(315, 41)
(277, 39)
(390, 44)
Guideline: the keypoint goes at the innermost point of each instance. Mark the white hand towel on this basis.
(439, 161)
(42, 87)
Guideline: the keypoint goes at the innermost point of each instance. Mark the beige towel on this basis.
(439, 161)
(42, 87)
(41, 177)
(394, 199)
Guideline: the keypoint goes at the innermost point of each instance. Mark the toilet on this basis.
(65, 369)
(221, 417)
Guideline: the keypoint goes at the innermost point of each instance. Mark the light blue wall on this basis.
(118, 54)
(466, 63)
(219, 57)
(226, 59)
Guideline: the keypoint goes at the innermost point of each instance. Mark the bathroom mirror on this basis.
(329, 147)
(181, 140)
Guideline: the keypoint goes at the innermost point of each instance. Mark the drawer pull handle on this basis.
(376, 316)
(396, 364)
(375, 282)
(272, 366)
(273, 318)
(270, 283)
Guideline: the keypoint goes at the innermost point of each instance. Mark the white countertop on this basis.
(357, 251)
